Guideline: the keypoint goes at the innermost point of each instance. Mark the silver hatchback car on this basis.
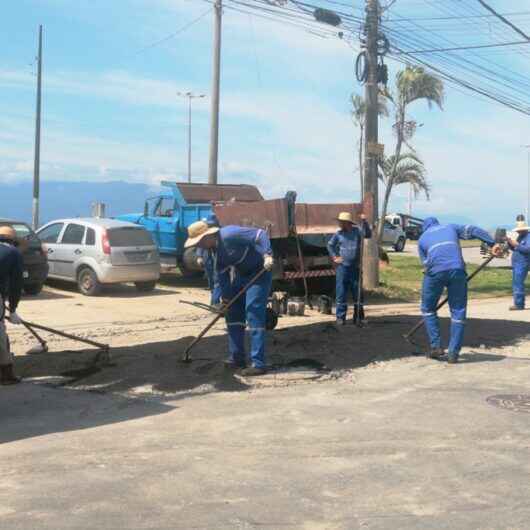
(92, 252)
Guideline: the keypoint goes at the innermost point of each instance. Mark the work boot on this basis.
(341, 322)
(452, 359)
(7, 375)
(231, 365)
(516, 308)
(435, 353)
(253, 371)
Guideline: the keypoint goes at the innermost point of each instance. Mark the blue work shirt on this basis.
(346, 244)
(11, 275)
(242, 248)
(439, 245)
(521, 254)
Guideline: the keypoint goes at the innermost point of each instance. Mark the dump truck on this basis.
(167, 217)
(299, 233)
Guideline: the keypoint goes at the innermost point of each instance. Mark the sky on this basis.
(111, 110)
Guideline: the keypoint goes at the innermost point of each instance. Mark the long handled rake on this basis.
(187, 358)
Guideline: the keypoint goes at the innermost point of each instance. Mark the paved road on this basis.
(389, 441)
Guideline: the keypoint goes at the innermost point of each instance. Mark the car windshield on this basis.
(23, 231)
(129, 237)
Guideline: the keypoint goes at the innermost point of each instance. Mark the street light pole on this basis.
(216, 85)
(190, 96)
(36, 163)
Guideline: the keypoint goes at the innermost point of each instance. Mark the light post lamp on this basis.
(190, 97)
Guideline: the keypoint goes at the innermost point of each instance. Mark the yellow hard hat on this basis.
(8, 234)
(197, 231)
(346, 217)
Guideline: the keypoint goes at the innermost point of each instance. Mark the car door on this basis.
(389, 234)
(49, 236)
(69, 250)
(167, 219)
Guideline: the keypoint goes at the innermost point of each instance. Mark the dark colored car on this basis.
(35, 260)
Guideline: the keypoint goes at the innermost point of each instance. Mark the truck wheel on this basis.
(400, 245)
(33, 288)
(145, 287)
(87, 282)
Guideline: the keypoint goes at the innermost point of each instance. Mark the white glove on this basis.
(200, 262)
(14, 318)
(268, 263)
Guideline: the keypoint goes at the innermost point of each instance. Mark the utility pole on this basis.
(371, 255)
(36, 166)
(410, 200)
(190, 96)
(216, 85)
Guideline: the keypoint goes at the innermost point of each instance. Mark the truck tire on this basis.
(87, 282)
(188, 265)
(145, 287)
(400, 245)
(33, 288)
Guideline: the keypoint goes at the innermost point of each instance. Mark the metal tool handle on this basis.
(28, 325)
(223, 312)
(32, 331)
(358, 310)
(446, 299)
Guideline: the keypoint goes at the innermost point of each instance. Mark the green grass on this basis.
(465, 243)
(401, 281)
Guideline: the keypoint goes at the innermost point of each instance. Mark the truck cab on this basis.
(167, 217)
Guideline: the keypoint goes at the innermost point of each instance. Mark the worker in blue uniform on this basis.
(206, 259)
(520, 263)
(11, 283)
(344, 250)
(444, 267)
(242, 253)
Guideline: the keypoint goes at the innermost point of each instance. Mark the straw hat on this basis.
(7, 234)
(197, 231)
(522, 226)
(346, 217)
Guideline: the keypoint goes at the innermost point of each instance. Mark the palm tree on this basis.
(409, 170)
(358, 114)
(412, 84)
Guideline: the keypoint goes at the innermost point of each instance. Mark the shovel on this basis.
(222, 313)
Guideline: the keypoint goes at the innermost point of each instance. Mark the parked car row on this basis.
(93, 252)
(88, 252)
(35, 263)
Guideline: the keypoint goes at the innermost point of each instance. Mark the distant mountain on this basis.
(72, 199)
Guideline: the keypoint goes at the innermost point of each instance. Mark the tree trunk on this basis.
(392, 176)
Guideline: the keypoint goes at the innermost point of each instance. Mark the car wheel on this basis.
(33, 288)
(88, 283)
(400, 245)
(145, 286)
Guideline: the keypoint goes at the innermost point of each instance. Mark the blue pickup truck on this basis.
(167, 217)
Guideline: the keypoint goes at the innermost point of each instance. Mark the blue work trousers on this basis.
(520, 272)
(347, 280)
(433, 285)
(251, 308)
(213, 283)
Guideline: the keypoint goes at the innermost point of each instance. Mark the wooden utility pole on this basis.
(371, 254)
(216, 85)
(36, 166)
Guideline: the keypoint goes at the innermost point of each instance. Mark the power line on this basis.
(462, 48)
(174, 34)
(504, 19)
